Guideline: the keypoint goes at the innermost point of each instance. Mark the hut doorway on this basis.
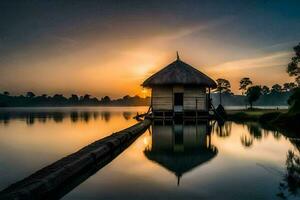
(178, 102)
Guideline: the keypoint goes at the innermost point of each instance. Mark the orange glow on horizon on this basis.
(117, 73)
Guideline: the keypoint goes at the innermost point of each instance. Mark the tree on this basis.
(286, 87)
(223, 86)
(265, 90)
(253, 93)
(126, 97)
(294, 101)
(74, 99)
(30, 94)
(94, 101)
(59, 99)
(105, 100)
(6, 93)
(86, 99)
(276, 88)
(293, 86)
(293, 68)
(298, 81)
(289, 86)
(244, 83)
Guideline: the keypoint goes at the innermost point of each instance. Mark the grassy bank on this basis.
(270, 119)
(250, 115)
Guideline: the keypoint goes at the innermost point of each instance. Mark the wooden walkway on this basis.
(55, 180)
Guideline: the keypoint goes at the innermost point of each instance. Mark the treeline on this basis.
(256, 95)
(273, 98)
(270, 99)
(262, 94)
(30, 99)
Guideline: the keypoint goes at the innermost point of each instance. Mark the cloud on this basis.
(271, 60)
(280, 46)
(65, 40)
(188, 30)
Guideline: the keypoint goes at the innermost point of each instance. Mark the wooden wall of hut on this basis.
(194, 98)
(162, 98)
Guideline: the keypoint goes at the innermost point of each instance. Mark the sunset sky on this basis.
(110, 47)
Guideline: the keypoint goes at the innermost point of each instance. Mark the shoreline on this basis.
(271, 119)
(227, 108)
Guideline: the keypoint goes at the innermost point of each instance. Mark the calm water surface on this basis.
(169, 161)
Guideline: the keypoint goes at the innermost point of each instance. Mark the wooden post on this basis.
(208, 102)
(151, 103)
(196, 108)
(173, 101)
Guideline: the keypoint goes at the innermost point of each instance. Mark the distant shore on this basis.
(272, 100)
(227, 108)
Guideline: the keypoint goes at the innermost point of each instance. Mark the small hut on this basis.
(179, 89)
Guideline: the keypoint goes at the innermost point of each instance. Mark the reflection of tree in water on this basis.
(291, 183)
(96, 115)
(31, 117)
(85, 116)
(5, 122)
(4, 117)
(106, 116)
(255, 130)
(127, 115)
(265, 132)
(223, 130)
(74, 116)
(58, 117)
(246, 140)
(277, 135)
(296, 143)
(42, 120)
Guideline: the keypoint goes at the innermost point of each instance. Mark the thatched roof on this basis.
(178, 72)
(181, 162)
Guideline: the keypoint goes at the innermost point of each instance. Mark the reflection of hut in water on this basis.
(181, 147)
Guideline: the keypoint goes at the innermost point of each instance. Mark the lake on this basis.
(171, 160)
